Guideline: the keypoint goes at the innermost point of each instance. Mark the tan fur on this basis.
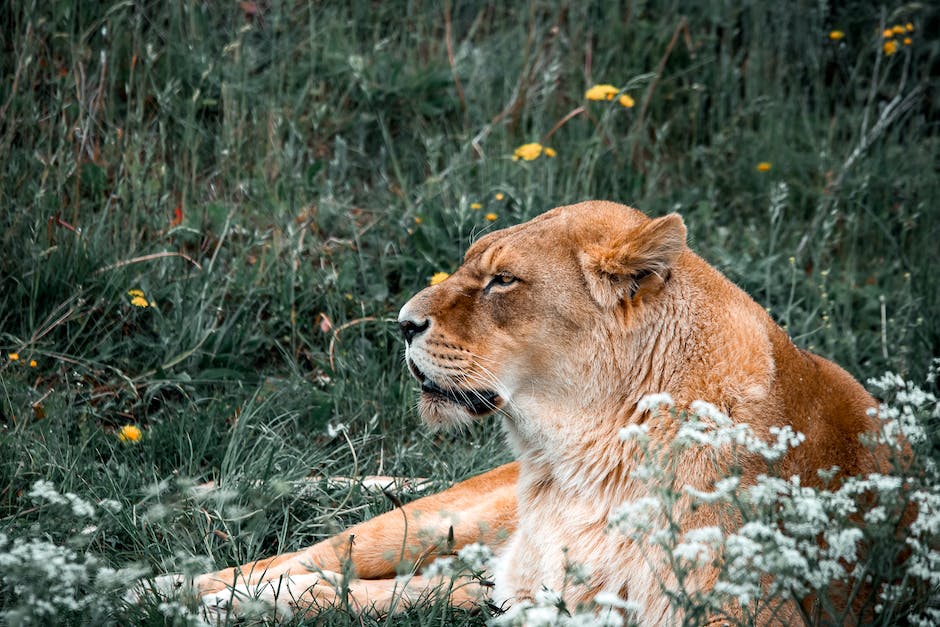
(560, 325)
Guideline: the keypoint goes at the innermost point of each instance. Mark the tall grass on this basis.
(277, 178)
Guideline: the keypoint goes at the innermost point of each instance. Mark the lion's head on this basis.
(526, 322)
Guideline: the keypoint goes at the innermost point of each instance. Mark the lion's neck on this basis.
(572, 437)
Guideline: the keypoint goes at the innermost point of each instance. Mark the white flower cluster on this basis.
(49, 582)
(794, 539)
(45, 491)
(549, 610)
(474, 559)
(44, 582)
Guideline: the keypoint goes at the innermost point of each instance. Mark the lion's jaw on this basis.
(512, 330)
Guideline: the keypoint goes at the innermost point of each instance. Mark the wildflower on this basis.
(907, 41)
(527, 152)
(491, 217)
(32, 363)
(626, 101)
(550, 152)
(499, 196)
(417, 220)
(139, 301)
(909, 27)
(438, 277)
(836, 35)
(764, 166)
(476, 205)
(14, 356)
(130, 433)
(887, 33)
(897, 29)
(890, 47)
(601, 92)
(135, 292)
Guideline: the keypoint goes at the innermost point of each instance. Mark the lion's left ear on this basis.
(614, 267)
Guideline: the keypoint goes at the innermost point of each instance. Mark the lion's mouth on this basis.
(477, 402)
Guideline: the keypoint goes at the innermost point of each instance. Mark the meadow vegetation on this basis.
(210, 214)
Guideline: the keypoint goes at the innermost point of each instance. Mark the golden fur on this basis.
(560, 325)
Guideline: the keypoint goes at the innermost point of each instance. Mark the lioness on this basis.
(559, 326)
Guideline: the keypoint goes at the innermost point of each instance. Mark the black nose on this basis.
(410, 328)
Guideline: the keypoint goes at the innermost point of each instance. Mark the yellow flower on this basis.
(601, 92)
(890, 47)
(907, 41)
(887, 33)
(129, 433)
(836, 35)
(14, 356)
(491, 217)
(438, 277)
(626, 101)
(476, 205)
(499, 196)
(897, 29)
(135, 293)
(139, 301)
(550, 152)
(527, 152)
(32, 363)
(417, 220)
(764, 166)
(909, 27)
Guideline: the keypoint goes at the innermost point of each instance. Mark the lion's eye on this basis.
(502, 279)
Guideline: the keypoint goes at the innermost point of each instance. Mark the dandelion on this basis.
(139, 301)
(135, 292)
(130, 433)
(601, 92)
(476, 205)
(836, 35)
(13, 356)
(890, 47)
(437, 277)
(527, 152)
(32, 363)
(764, 166)
(626, 101)
(491, 217)
(550, 152)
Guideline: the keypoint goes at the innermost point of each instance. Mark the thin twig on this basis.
(345, 326)
(150, 257)
(660, 67)
(562, 122)
(450, 56)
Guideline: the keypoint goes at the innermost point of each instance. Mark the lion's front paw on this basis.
(277, 599)
(163, 586)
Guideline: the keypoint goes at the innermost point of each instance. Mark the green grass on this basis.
(253, 172)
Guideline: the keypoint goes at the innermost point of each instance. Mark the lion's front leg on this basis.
(481, 509)
(308, 594)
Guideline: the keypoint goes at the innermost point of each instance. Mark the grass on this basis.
(278, 178)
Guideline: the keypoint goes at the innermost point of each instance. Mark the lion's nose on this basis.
(411, 328)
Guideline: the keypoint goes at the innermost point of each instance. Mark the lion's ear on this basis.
(614, 267)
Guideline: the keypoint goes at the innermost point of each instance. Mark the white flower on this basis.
(655, 401)
(477, 557)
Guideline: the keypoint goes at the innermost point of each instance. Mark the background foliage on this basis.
(277, 178)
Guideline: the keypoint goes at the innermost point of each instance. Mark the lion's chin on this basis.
(445, 406)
